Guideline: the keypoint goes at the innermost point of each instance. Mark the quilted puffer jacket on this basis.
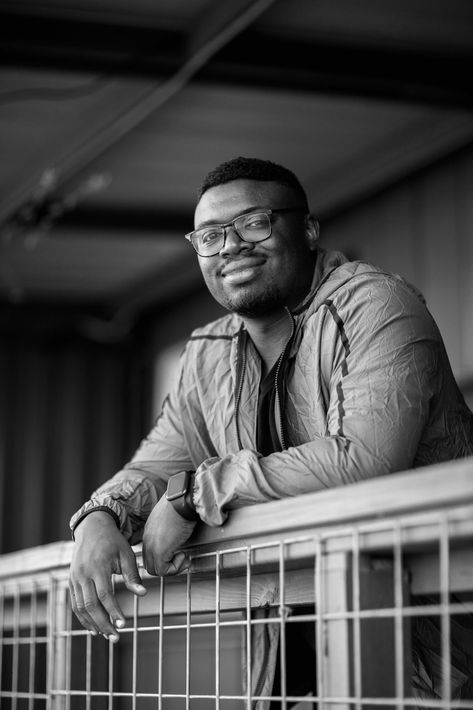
(364, 388)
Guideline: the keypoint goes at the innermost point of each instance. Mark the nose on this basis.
(234, 243)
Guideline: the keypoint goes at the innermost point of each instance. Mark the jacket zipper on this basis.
(242, 354)
(276, 381)
(240, 385)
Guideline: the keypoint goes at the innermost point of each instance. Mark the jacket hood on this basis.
(326, 264)
(332, 271)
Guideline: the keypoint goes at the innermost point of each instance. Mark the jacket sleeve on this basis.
(377, 349)
(131, 494)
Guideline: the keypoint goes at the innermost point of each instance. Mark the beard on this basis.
(251, 303)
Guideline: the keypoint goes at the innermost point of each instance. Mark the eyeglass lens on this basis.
(249, 227)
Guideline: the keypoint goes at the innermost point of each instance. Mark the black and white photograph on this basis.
(236, 355)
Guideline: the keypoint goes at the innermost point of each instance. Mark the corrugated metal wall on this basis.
(423, 229)
(70, 415)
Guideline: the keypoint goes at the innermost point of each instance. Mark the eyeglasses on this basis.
(252, 227)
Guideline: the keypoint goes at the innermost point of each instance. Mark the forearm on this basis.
(131, 494)
(378, 437)
(246, 478)
(128, 498)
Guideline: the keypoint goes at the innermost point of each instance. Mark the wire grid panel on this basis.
(368, 615)
(26, 607)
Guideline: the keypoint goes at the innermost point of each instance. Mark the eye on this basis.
(209, 236)
(256, 221)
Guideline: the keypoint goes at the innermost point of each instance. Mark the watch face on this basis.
(177, 485)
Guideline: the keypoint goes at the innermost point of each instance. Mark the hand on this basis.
(100, 550)
(165, 532)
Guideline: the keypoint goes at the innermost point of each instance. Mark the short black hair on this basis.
(253, 169)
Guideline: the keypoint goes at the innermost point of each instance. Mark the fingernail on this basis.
(113, 638)
(119, 623)
(93, 632)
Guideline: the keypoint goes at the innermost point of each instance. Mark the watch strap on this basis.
(183, 504)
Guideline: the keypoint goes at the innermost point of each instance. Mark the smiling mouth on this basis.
(241, 269)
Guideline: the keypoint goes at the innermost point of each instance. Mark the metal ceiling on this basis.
(111, 113)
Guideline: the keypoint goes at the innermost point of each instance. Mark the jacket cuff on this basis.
(110, 506)
(205, 498)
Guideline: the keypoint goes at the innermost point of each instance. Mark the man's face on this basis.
(257, 279)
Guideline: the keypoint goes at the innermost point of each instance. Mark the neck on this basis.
(269, 334)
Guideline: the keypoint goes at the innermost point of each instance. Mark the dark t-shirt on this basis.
(300, 661)
(267, 438)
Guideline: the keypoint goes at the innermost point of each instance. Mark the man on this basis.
(325, 372)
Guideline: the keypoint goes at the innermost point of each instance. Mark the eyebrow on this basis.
(249, 210)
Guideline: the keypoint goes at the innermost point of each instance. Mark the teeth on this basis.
(238, 268)
(244, 274)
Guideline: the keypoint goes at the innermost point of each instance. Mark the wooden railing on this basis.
(369, 587)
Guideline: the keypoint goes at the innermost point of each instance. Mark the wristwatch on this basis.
(179, 494)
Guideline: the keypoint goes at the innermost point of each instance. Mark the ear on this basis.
(312, 231)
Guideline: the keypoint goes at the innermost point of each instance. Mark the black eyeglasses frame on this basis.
(231, 223)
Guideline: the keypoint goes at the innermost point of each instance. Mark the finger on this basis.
(78, 607)
(106, 597)
(94, 608)
(148, 561)
(131, 576)
(178, 563)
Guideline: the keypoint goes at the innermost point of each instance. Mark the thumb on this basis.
(179, 563)
(130, 574)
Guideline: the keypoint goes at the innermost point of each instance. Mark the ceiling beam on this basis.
(81, 45)
(336, 67)
(250, 59)
(118, 221)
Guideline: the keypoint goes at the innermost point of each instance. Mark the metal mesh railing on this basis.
(368, 609)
